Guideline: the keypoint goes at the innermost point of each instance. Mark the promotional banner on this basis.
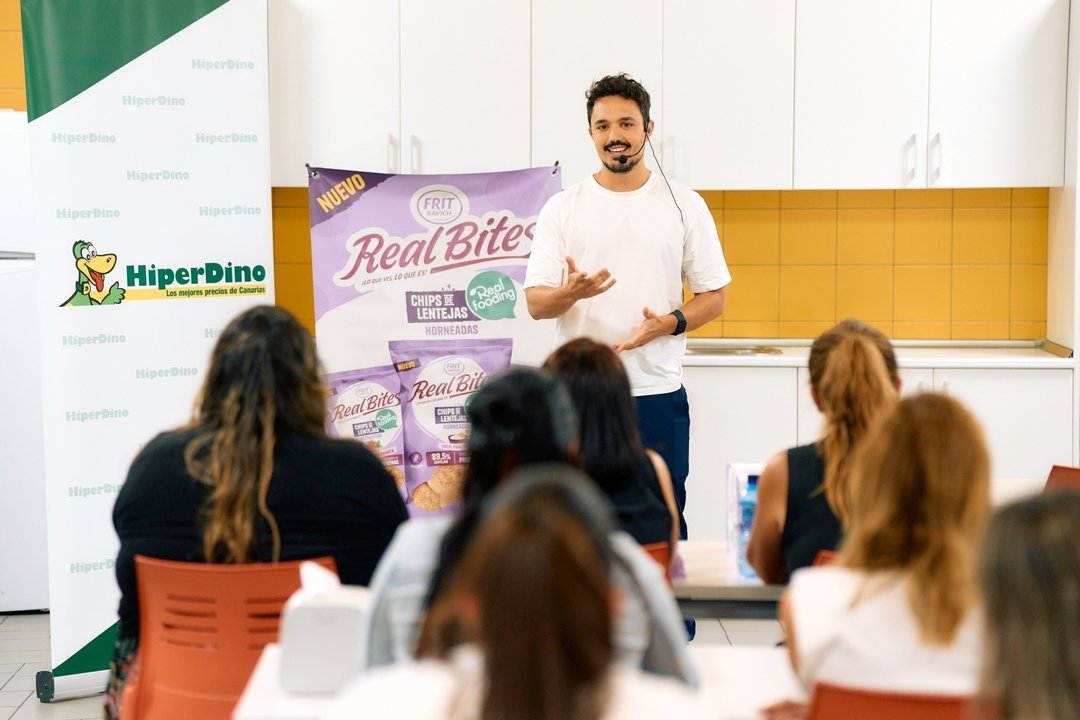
(151, 175)
(418, 299)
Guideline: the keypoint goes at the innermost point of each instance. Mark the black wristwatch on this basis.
(680, 327)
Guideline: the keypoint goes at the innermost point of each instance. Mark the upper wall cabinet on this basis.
(464, 85)
(729, 74)
(860, 93)
(334, 87)
(914, 94)
(997, 93)
(398, 86)
(573, 44)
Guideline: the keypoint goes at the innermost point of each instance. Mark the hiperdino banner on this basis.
(151, 174)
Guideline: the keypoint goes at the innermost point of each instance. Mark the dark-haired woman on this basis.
(518, 418)
(634, 479)
(533, 599)
(254, 476)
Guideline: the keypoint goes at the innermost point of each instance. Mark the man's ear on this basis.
(651, 126)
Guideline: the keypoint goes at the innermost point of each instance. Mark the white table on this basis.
(736, 681)
(712, 587)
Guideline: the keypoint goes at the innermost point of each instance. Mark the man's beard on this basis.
(617, 167)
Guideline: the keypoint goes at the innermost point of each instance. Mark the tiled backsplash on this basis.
(939, 264)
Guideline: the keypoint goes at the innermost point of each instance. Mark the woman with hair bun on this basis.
(803, 494)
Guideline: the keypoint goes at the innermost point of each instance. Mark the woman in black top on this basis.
(802, 494)
(636, 480)
(253, 478)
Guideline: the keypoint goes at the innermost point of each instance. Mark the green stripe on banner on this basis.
(71, 44)
(90, 656)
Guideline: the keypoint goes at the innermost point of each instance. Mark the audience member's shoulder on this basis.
(392, 692)
(333, 449)
(166, 444)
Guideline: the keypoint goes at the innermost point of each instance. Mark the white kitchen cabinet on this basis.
(334, 87)
(739, 414)
(1025, 413)
(729, 81)
(861, 71)
(465, 69)
(574, 44)
(398, 86)
(954, 93)
(997, 93)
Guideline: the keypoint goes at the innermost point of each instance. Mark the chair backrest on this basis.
(202, 628)
(1063, 476)
(832, 702)
(824, 557)
(661, 553)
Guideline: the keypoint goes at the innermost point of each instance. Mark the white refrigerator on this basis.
(24, 576)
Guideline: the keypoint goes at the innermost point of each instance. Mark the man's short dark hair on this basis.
(622, 85)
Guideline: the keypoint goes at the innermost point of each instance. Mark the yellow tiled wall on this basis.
(294, 287)
(12, 80)
(941, 264)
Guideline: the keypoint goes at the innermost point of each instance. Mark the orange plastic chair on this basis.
(202, 628)
(661, 553)
(824, 557)
(1063, 476)
(832, 702)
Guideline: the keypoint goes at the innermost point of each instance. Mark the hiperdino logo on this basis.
(231, 138)
(95, 339)
(153, 101)
(89, 138)
(168, 372)
(230, 210)
(81, 491)
(229, 64)
(154, 175)
(81, 568)
(86, 213)
(208, 279)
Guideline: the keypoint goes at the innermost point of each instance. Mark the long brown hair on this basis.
(1029, 574)
(920, 499)
(537, 572)
(854, 376)
(263, 379)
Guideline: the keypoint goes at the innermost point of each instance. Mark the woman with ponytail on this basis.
(253, 477)
(803, 495)
(534, 601)
(896, 610)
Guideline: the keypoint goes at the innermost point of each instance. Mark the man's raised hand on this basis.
(580, 285)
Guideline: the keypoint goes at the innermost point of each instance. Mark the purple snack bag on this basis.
(365, 405)
(438, 377)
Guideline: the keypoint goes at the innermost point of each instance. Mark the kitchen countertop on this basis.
(909, 354)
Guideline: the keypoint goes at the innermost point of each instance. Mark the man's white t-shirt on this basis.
(639, 237)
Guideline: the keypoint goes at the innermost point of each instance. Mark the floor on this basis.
(24, 650)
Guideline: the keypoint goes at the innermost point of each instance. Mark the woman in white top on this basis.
(896, 611)
(524, 627)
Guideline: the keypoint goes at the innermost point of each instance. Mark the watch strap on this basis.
(680, 326)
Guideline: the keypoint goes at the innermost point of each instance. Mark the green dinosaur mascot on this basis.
(90, 287)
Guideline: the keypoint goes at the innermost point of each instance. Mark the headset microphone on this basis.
(622, 159)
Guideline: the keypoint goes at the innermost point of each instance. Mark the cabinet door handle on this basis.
(944, 387)
(940, 156)
(391, 153)
(414, 154)
(914, 172)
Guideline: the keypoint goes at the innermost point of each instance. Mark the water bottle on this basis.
(747, 506)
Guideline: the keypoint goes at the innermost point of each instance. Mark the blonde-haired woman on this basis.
(252, 478)
(896, 611)
(803, 493)
(1029, 573)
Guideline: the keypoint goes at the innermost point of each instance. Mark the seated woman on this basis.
(518, 418)
(1029, 574)
(254, 476)
(636, 480)
(896, 610)
(524, 627)
(802, 492)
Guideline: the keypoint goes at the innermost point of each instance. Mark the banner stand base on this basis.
(57, 688)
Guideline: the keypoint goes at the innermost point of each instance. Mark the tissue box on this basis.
(322, 639)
